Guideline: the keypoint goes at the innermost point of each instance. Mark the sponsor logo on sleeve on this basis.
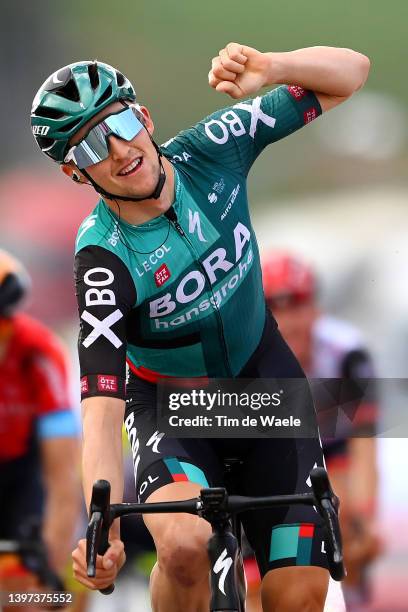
(162, 275)
(96, 296)
(231, 124)
(310, 115)
(84, 384)
(297, 92)
(107, 383)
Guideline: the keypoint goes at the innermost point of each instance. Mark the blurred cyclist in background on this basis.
(39, 450)
(327, 347)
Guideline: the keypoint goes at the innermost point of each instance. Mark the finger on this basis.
(92, 584)
(230, 64)
(230, 89)
(236, 52)
(79, 557)
(115, 555)
(212, 80)
(102, 575)
(220, 72)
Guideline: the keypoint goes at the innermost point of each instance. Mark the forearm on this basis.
(329, 70)
(102, 448)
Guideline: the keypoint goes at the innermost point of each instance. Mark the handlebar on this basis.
(212, 504)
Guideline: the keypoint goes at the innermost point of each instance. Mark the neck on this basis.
(146, 210)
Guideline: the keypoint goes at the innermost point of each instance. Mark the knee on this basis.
(292, 598)
(183, 558)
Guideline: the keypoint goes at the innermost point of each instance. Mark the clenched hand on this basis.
(238, 70)
(107, 566)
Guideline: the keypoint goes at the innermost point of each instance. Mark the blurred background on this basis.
(336, 192)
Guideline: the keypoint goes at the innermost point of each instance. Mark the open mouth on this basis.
(132, 168)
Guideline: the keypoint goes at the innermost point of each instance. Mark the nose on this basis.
(118, 148)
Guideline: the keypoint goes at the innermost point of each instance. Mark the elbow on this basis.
(364, 66)
(361, 68)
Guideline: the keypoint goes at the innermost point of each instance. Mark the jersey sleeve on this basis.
(48, 373)
(235, 136)
(49, 376)
(106, 294)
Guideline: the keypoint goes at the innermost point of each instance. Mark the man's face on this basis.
(295, 321)
(115, 173)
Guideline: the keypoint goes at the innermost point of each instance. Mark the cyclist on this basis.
(168, 273)
(327, 347)
(39, 451)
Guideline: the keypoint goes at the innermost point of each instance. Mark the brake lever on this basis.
(98, 528)
(328, 505)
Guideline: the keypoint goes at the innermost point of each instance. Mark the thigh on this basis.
(286, 535)
(160, 460)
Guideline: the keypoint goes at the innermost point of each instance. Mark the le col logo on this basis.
(41, 130)
(212, 198)
(95, 278)
(152, 260)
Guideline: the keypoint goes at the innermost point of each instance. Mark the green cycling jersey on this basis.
(182, 294)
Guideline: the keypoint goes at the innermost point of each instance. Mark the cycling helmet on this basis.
(69, 98)
(14, 284)
(286, 276)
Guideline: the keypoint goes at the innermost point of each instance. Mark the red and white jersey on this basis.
(33, 386)
(333, 342)
(339, 352)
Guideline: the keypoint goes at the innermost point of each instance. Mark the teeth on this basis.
(131, 167)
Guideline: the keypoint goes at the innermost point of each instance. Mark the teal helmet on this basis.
(69, 98)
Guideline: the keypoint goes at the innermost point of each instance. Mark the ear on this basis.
(70, 169)
(148, 120)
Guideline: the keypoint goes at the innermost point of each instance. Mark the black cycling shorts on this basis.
(284, 536)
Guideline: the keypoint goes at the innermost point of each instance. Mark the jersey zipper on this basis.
(172, 216)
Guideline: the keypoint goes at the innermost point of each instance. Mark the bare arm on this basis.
(102, 419)
(334, 74)
(60, 462)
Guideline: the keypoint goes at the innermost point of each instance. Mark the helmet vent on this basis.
(93, 75)
(68, 126)
(105, 96)
(69, 91)
(49, 113)
(44, 142)
(120, 79)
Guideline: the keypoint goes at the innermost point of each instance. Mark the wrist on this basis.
(276, 68)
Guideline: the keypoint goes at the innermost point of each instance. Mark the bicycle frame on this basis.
(227, 580)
